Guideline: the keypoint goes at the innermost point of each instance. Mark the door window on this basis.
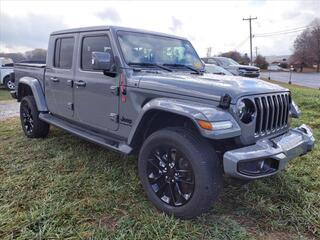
(93, 44)
(63, 53)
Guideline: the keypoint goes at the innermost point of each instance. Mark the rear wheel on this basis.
(32, 126)
(8, 83)
(180, 172)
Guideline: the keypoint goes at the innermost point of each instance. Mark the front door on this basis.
(59, 76)
(95, 102)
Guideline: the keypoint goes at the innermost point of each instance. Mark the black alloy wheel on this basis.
(170, 175)
(27, 118)
(32, 125)
(180, 172)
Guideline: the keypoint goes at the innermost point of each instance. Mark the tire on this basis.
(181, 200)
(8, 84)
(32, 126)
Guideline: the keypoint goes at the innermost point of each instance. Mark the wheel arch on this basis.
(163, 112)
(177, 112)
(31, 86)
(156, 119)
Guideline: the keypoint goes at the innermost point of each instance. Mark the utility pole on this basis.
(256, 48)
(250, 19)
(209, 50)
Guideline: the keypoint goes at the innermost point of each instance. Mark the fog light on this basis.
(258, 167)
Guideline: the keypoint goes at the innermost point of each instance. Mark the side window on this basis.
(63, 53)
(93, 44)
(210, 60)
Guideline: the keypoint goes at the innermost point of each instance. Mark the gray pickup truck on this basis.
(146, 93)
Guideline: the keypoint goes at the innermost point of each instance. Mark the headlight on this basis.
(246, 110)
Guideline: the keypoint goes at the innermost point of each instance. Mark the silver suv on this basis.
(234, 67)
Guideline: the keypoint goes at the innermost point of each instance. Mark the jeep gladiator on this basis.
(146, 93)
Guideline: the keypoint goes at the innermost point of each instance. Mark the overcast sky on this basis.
(25, 25)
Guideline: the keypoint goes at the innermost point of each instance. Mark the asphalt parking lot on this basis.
(311, 80)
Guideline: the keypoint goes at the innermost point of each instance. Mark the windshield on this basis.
(227, 61)
(147, 49)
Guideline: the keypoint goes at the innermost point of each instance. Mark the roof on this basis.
(115, 28)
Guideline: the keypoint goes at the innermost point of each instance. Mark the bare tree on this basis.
(232, 54)
(307, 47)
(302, 49)
(261, 62)
(315, 41)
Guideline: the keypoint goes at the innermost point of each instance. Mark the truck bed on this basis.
(30, 69)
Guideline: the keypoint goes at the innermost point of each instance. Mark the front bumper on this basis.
(254, 74)
(276, 152)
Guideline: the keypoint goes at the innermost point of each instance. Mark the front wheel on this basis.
(180, 172)
(32, 126)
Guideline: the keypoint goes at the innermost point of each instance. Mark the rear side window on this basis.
(63, 53)
(93, 44)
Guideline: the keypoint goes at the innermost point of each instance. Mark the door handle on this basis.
(54, 79)
(80, 83)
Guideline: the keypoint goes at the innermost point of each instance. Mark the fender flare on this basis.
(37, 92)
(192, 110)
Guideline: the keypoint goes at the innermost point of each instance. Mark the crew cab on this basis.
(146, 93)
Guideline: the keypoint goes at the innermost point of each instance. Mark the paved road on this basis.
(8, 109)
(303, 79)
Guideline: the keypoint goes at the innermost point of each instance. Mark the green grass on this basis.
(4, 94)
(64, 187)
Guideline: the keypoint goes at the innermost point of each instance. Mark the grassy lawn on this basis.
(4, 94)
(64, 187)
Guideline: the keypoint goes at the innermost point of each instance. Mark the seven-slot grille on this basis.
(272, 112)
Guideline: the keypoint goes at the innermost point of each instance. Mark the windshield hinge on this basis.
(115, 90)
(114, 117)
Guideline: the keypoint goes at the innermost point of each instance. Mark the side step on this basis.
(86, 134)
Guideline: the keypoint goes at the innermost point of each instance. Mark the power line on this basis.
(250, 20)
(288, 31)
(242, 43)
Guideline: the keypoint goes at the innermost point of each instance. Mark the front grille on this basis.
(272, 113)
(249, 69)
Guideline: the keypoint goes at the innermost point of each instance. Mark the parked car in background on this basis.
(212, 68)
(234, 67)
(146, 93)
(6, 70)
(277, 68)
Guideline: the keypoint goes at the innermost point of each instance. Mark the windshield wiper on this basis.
(144, 64)
(185, 66)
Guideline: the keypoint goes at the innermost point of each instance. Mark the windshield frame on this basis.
(157, 35)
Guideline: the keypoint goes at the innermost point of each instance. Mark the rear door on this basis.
(95, 101)
(60, 75)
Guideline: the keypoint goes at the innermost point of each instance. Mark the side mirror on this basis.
(101, 61)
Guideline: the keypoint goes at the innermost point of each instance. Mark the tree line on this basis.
(37, 54)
